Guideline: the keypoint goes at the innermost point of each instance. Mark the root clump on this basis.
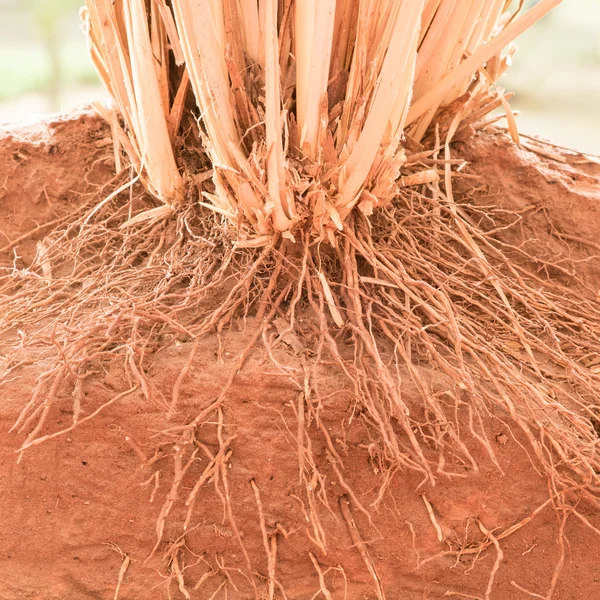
(419, 294)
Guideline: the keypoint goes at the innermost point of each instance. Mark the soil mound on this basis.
(132, 503)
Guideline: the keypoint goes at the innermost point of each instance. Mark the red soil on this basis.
(73, 502)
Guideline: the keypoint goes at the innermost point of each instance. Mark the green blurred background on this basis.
(44, 67)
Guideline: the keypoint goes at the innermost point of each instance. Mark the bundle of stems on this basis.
(306, 109)
(128, 46)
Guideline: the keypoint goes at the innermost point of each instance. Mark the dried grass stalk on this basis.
(128, 44)
(304, 105)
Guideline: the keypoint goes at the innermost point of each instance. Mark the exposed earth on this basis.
(79, 512)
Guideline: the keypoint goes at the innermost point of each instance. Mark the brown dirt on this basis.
(557, 203)
(72, 502)
(47, 170)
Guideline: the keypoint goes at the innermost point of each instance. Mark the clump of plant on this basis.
(296, 160)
